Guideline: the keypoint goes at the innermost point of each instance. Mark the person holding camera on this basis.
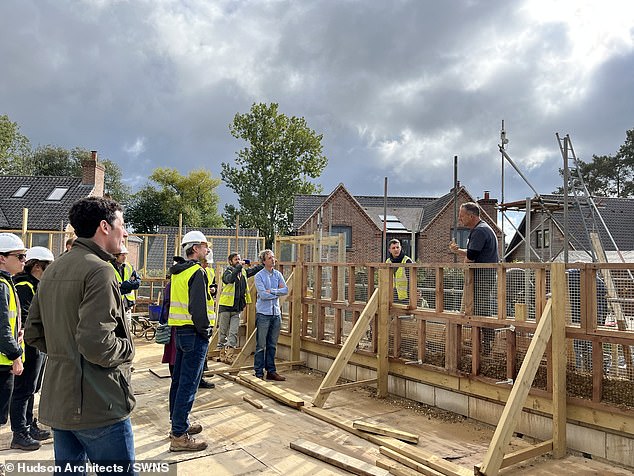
(233, 299)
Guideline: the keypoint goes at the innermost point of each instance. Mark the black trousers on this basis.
(6, 389)
(24, 388)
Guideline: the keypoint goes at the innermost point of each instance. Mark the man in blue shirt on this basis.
(482, 247)
(270, 285)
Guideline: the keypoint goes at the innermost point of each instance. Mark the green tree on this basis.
(608, 175)
(145, 211)
(282, 154)
(193, 195)
(15, 148)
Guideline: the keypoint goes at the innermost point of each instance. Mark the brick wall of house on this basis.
(342, 209)
(433, 245)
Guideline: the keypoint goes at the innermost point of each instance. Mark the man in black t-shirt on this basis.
(482, 247)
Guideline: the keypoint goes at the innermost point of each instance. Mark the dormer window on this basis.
(58, 193)
(21, 191)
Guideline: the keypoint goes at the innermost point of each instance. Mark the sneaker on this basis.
(37, 433)
(186, 442)
(204, 384)
(275, 376)
(23, 441)
(194, 429)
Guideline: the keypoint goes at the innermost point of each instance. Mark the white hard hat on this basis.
(123, 250)
(10, 242)
(194, 238)
(39, 253)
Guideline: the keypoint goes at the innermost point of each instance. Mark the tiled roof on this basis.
(43, 214)
(617, 213)
(415, 212)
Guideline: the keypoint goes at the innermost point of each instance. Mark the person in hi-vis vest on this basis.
(401, 275)
(189, 293)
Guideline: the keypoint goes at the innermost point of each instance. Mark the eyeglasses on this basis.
(20, 256)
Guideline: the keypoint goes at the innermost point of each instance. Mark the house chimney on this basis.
(93, 173)
(489, 204)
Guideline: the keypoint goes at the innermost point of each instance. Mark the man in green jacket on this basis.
(77, 319)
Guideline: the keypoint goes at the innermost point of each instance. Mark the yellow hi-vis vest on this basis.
(127, 273)
(13, 320)
(227, 295)
(211, 305)
(179, 297)
(400, 279)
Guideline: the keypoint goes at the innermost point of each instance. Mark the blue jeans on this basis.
(107, 445)
(191, 353)
(267, 331)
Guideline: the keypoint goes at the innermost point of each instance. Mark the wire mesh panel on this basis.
(404, 337)
(426, 285)
(520, 289)
(330, 328)
(485, 292)
(466, 350)
(453, 285)
(435, 334)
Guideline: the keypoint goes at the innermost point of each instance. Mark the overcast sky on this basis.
(396, 87)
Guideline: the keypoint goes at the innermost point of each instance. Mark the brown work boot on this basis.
(186, 442)
(275, 376)
(194, 429)
(230, 355)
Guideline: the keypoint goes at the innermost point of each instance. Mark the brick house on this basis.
(547, 230)
(48, 200)
(424, 225)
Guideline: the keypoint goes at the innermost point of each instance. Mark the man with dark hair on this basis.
(234, 297)
(26, 432)
(77, 318)
(401, 275)
(482, 247)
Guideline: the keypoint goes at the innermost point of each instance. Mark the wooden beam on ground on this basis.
(358, 383)
(335, 458)
(348, 348)
(272, 391)
(408, 450)
(510, 415)
(415, 466)
(395, 468)
(385, 431)
(253, 402)
(559, 287)
(527, 453)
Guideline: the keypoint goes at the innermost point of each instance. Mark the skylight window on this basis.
(58, 193)
(21, 191)
(393, 223)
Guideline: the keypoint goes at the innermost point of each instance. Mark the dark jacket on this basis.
(8, 341)
(25, 293)
(198, 289)
(233, 274)
(77, 318)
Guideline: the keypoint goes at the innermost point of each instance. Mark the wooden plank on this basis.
(405, 449)
(348, 348)
(521, 311)
(559, 287)
(527, 453)
(415, 466)
(161, 372)
(253, 402)
(385, 431)
(342, 386)
(383, 330)
(245, 352)
(395, 468)
(510, 415)
(335, 458)
(272, 391)
(296, 312)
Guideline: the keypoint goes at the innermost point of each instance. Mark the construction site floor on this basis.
(246, 440)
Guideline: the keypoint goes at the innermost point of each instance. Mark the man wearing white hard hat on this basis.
(77, 318)
(189, 293)
(26, 432)
(12, 257)
(128, 279)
